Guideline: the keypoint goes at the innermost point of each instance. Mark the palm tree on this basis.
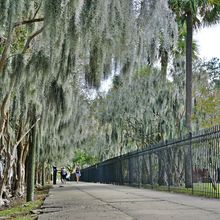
(193, 13)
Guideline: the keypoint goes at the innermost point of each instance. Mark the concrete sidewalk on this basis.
(90, 201)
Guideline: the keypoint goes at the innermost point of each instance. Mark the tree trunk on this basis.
(4, 115)
(20, 182)
(5, 176)
(39, 175)
(48, 175)
(43, 174)
(31, 161)
(189, 38)
(6, 151)
(8, 168)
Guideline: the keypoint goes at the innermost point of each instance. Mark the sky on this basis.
(208, 40)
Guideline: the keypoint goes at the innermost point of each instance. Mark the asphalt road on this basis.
(90, 201)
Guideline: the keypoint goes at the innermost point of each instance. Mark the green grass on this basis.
(24, 218)
(199, 189)
(22, 211)
(206, 186)
(206, 189)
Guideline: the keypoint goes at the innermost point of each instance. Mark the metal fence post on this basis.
(188, 163)
(191, 161)
(120, 172)
(129, 170)
(151, 170)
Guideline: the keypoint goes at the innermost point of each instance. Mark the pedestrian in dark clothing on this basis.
(63, 175)
(54, 175)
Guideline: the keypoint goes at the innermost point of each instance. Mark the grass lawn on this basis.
(21, 210)
(207, 189)
(199, 189)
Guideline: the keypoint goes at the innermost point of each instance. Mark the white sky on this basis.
(208, 40)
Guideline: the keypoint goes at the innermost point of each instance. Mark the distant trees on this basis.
(137, 114)
(206, 93)
(81, 158)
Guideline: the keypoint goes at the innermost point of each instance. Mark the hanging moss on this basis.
(17, 67)
(39, 62)
(56, 96)
(114, 135)
(87, 15)
(52, 12)
(92, 73)
(83, 42)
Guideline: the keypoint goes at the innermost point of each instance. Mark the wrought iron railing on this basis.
(190, 164)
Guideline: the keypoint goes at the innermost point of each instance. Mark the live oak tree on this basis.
(49, 51)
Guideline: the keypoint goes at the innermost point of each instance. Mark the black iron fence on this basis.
(190, 164)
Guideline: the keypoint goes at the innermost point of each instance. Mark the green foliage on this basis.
(207, 108)
(212, 67)
(180, 50)
(83, 158)
(143, 72)
(20, 37)
(203, 11)
(206, 93)
(117, 82)
(2, 43)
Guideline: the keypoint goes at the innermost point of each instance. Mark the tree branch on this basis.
(28, 21)
(22, 137)
(37, 9)
(6, 49)
(31, 37)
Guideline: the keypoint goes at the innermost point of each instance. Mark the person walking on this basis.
(78, 173)
(63, 175)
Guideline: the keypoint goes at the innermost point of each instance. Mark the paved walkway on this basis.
(90, 201)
